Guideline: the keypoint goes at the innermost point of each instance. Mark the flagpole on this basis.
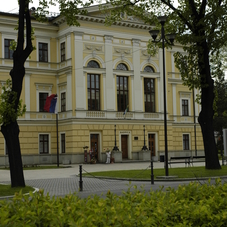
(57, 139)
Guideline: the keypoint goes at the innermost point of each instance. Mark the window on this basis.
(93, 64)
(184, 107)
(185, 141)
(148, 69)
(44, 144)
(63, 143)
(122, 66)
(93, 90)
(122, 93)
(63, 102)
(149, 95)
(42, 101)
(43, 52)
(8, 52)
(62, 51)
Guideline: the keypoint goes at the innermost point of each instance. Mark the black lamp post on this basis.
(170, 37)
(144, 145)
(115, 146)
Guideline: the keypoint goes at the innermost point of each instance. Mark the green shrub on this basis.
(191, 205)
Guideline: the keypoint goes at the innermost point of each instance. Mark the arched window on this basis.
(93, 64)
(149, 69)
(122, 66)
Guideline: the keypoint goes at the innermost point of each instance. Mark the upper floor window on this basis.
(122, 93)
(44, 144)
(42, 100)
(122, 66)
(63, 101)
(149, 95)
(62, 51)
(148, 69)
(43, 52)
(93, 64)
(185, 107)
(8, 52)
(93, 90)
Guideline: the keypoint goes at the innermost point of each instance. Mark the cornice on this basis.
(132, 24)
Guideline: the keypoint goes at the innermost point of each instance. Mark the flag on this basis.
(50, 105)
(126, 110)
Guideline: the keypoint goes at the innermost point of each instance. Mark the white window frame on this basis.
(3, 44)
(63, 91)
(47, 41)
(49, 140)
(182, 107)
(186, 96)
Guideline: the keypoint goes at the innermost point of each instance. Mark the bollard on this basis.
(80, 182)
(152, 172)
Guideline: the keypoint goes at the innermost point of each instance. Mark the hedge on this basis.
(190, 205)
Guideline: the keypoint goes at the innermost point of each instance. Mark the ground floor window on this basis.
(44, 144)
(63, 143)
(185, 141)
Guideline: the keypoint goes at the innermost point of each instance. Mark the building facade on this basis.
(108, 88)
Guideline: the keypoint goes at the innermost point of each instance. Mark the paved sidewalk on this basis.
(63, 181)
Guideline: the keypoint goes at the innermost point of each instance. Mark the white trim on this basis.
(63, 91)
(150, 63)
(40, 40)
(49, 145)
(3, 43)
(189, 106)
(120, 60)
(96, 57)
(37, 97)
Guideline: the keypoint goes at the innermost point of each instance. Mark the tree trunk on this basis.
(11, 131)
(11, 134)
(207, 113)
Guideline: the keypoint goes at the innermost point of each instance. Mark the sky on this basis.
(11, 6)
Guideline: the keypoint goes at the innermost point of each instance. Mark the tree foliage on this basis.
(8, 98)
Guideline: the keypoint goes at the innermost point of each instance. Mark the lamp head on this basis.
(171, 38)
(154, 34)
(162, 19)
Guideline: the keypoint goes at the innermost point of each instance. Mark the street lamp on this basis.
(169, 40)
(144, 148)
(115, 147)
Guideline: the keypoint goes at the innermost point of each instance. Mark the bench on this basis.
(183, 159)
(198, 159)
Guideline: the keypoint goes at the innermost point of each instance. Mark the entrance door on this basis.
(94, 138)
(151, 142)
(124, 146)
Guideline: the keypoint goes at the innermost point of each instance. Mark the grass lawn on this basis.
(6, 190)
(184, 172)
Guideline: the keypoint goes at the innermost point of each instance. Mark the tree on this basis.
(202, 30)
(11, 104)
(220, 106)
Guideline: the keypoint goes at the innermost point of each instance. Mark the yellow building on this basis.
(106, 83)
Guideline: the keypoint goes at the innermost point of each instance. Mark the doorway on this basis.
(151, 144)
(124, 146)
(94, 140)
